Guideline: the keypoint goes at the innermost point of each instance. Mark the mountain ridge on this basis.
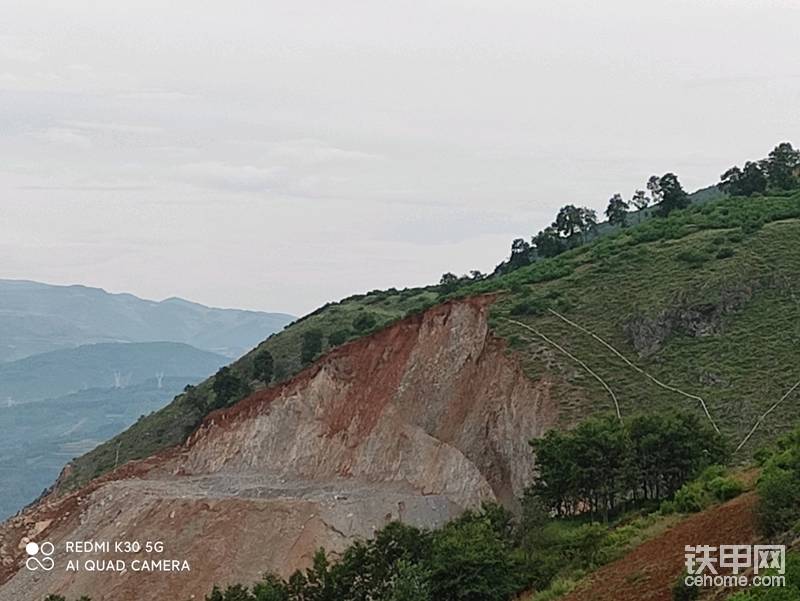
(36, 317)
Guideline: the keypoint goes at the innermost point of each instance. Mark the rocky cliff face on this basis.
(416, 422)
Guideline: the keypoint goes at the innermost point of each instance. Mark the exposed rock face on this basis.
(647, 334)
(416, 422)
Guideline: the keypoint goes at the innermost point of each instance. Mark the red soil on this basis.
(649, 572)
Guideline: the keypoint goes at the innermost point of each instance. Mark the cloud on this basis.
(155, 94)
(317, 151)
(104, 126)
(63, 136)
(89, 188)
(235, 178)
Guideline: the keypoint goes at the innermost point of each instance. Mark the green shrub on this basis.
(311, 346)
(725, 252)
(364, 322)
(725, 488)
(692, 497)
(692, 257)
(559, 588)
(779, 488)
(339, 337)
(681, 592)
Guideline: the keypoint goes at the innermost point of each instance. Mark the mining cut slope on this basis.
(417, 422)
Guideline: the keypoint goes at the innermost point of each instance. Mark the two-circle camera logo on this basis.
(39, 556)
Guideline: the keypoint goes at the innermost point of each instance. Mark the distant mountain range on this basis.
(78, 365)
(37, 318)
(106, 365)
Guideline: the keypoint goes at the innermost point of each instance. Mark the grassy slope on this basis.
(740, 371)
(640, 271)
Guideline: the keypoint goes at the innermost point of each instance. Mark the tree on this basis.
(588, 222)
(311, 346)
(572, 220)
(617, 211)
(520, 254)
(672, 194)
(448, 282)
(228, 387)
(640, 200)
(754, 180)
(320, 584)
(569, 220)
(469, 562)
(782, 166)
(654, 187)
(548, 243)
(602, 463)
(738, 182)
(411, 582)
(263, 366)
(271, 588)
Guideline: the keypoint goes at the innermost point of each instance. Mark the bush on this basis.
(339, 337)
(692, 497)
(725, 488)
(779, 488)
(264, 366)
(692, 257)
(712, 485)
(559, 588)
(724, 252)
(364, 322)
(311, 346)
(681, 592)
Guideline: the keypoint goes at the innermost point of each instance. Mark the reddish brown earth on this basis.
(416, 422)
(648, 572)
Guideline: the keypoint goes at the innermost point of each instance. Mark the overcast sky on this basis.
(277, 155)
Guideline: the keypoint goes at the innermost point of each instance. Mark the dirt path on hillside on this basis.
(648, 572)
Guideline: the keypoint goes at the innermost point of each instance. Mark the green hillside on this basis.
(705, 299)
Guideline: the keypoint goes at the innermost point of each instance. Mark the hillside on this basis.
(419, 417)
(680, 297)
(37, 318)
(108, 365)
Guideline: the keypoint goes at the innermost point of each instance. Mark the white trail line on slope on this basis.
(574, 358)
(639, 369)
(766, 413)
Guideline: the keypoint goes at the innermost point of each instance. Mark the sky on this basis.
(279, 155)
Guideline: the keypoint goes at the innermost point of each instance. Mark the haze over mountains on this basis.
(37, 318)
(78, 365)
(104, 365)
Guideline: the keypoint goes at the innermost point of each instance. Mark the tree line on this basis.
(780, 171)
(603, 465)
(573, 225)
